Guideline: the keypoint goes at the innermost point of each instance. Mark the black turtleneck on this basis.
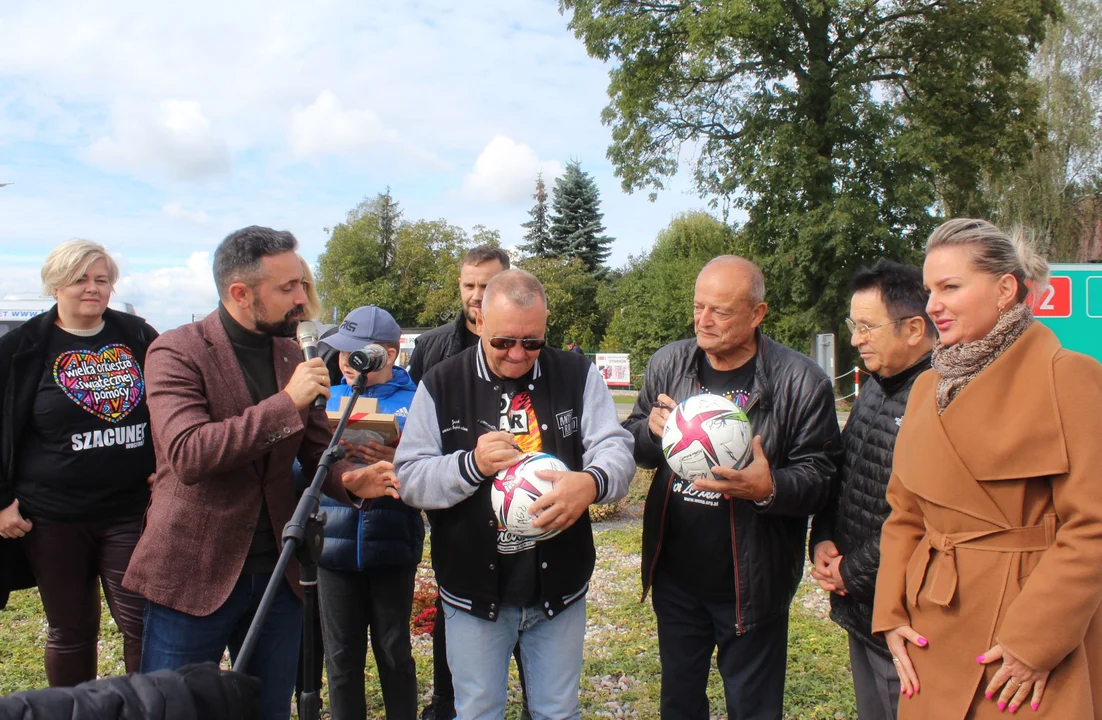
(894, 382)
(254, 355)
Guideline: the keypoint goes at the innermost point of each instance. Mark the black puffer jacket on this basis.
(194, 692)
(792, 409)
(858, 507)
(435, 346)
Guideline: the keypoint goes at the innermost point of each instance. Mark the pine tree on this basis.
(576, 229)
(389, 218)
(538, 237)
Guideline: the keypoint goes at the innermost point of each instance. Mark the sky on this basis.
(157, 129)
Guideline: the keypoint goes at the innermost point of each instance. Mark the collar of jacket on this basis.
(893, 383)
(482, 368)
(1005, 424)
(762, 393)
(35, 330)
(455, 341)
(398, 382)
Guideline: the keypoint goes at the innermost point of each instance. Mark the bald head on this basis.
(513, 309)
(728, 306)
(516, 287)
(742, 274)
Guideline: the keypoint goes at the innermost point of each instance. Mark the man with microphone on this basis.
(230, 404)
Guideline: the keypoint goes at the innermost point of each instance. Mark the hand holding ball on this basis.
(705, 431)
(516, 488)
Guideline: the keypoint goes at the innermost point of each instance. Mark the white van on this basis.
(19, 308)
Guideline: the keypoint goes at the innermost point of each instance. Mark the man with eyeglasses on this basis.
(723, 556)
(890, 329)
(473, 416)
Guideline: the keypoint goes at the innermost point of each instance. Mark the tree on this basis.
(576, 229)
(389, 218)
(835, 125)
(538, 238)
(1057, 192)
(418, 284)
(662, 281)
(571, 292)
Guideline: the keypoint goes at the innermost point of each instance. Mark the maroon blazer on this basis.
(218, 456)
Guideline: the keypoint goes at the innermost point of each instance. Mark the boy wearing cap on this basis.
(369, 561)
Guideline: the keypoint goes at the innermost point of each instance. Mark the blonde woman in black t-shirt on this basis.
(76, 457)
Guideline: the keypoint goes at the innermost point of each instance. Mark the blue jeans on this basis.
(550, 650)
(173, 639)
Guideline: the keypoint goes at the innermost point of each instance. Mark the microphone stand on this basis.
(303, 537)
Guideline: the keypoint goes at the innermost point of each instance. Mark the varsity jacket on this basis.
(437, 471)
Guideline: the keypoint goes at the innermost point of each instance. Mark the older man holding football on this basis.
(473, 416)
(724, 555)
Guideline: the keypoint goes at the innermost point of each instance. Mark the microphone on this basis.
(371, 358)
(307, 334)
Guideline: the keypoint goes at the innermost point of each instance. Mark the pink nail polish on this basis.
(908, 694)
(980, 659)
(1013, 709)
(1035, 706)
(922, 642)
(1002, 706)
(988, 695)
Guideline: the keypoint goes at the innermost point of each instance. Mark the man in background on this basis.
(889, 327)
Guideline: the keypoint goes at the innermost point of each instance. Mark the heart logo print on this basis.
(108, 383)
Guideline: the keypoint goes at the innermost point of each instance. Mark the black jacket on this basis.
(194, 692)
(858, 507)
(434, 346)
(792, 408)
(22, 355)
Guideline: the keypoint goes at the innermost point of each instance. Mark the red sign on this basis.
(1055, 300)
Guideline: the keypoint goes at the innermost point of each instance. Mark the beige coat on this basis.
(996, 532)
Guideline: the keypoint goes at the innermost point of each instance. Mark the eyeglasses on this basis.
(857, 329)
(506, 343)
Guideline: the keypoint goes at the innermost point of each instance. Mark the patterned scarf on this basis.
(959, 364)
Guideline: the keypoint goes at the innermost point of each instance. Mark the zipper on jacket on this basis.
(661, 535)
(734, 539)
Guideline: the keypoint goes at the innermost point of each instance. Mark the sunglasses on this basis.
(505, 343)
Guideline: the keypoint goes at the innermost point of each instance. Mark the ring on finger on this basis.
(1016, 683)
(895, 660)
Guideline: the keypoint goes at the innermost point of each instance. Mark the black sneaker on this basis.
(438, 711)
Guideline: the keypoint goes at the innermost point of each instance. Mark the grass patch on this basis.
(623, 399)
(621, 655)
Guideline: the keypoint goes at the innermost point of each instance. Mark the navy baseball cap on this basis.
(364, 325)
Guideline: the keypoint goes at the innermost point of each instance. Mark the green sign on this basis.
(1072, 307)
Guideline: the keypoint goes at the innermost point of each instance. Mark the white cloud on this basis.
(327, 127)
(169, 296)
(177, 212)
(173, 137)
(505, 172)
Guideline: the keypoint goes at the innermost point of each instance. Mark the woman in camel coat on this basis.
(990, 580)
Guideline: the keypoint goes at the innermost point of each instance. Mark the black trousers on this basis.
(71, 560)
(752, 665)
(352, 603)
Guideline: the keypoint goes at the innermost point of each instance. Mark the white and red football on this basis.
(705, 431)
(516, 488)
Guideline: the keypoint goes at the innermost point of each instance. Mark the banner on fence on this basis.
(615, 368)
